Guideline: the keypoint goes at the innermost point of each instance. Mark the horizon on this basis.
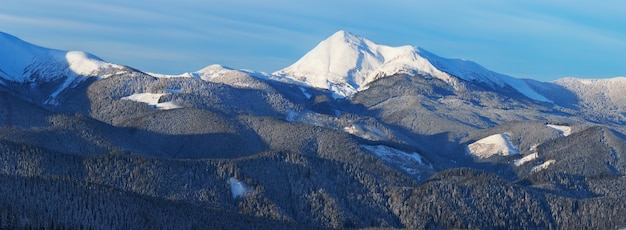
(532, 39)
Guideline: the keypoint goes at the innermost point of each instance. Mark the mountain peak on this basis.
(214, 68)
(345, 63)
(347, 38)
(342, 34)
(22, 62)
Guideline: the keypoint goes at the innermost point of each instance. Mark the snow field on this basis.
(497, 144)
(563, 130)
(542, 166)
(152, 99)
(525, 159)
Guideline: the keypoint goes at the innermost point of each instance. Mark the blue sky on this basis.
(542, 40)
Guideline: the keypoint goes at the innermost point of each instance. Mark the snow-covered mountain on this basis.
(216, 147)
(22, 62)
(346, 63)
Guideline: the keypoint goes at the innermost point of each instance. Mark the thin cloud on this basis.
(512, 37)
(64, 24)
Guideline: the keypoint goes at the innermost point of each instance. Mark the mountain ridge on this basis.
(407, 150)
(344, 64)
(21, 58)
(22, 62)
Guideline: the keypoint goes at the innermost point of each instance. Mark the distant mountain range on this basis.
(352, 135)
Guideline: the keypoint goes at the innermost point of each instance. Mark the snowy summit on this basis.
(22, 61)
(346, 63)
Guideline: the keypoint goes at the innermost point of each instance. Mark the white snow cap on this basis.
(345, 63)
(18, 59)
(22, 62)
(85, 64)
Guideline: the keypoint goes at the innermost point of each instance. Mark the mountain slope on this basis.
(278, 151)
(25, 63)
(225, 75)
(597, 93)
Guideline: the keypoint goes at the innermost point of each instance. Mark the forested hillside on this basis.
(397, 137)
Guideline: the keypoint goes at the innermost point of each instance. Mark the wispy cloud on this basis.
(526, 38)
(64, 24)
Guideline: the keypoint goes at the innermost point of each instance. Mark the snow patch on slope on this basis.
(365, 131)
(238, 188)
(497, 144)
(525, 159)
(563, 130)
(410, 162)
(152, 99)
(86, 64)
(542, 166)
